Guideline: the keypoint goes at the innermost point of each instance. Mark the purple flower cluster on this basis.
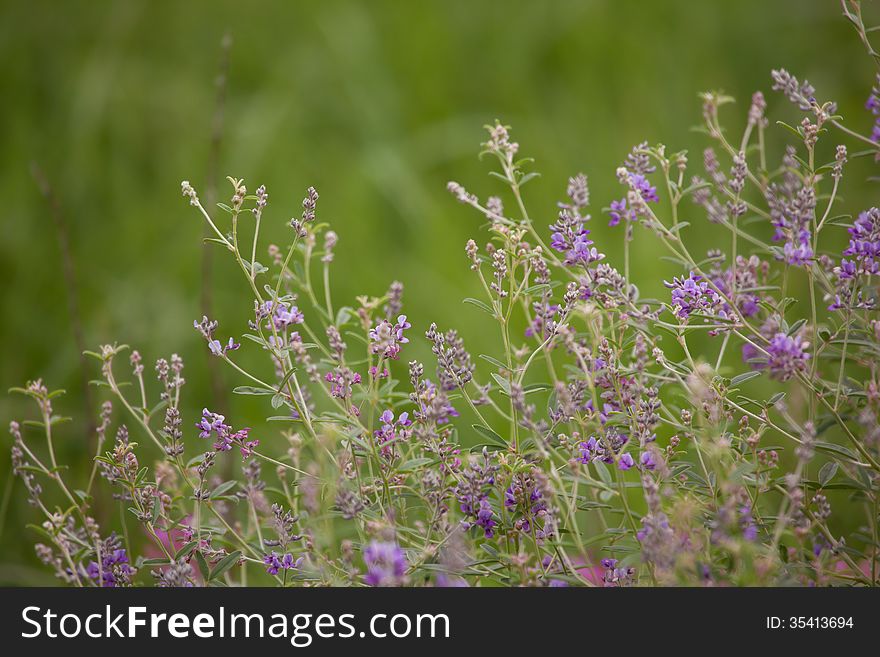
(864, 244)
(791, 216)
(225, 437)
(860, 258)
(570, 237)
(472, 492)
(592, 450)
(620, 210)
(207, 327)
(387, 338)
(738, 283)
(615, 575)
(525, 500)
(692, 294)
(275, 562)
(873, 105)
(386, 564)
(392, 431)
(341, 380)
(434, 404)
(114, 570)
(787, 356)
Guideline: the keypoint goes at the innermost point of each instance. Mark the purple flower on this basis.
(691, 295)
(625, 462)
(386, 564)
(588, 450)
(864, 242)
(286, 315)
(114, 569)
(618, 211)
(787, 356)
(526, 502)
(341, 380)
(275, 562)
(747, 523)
(392, 432)
(647, 460)
(570, 237)
(472, 492)
(207, 327)
(388, 337)
(225, 437)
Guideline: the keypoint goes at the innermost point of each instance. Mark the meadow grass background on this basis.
(377, 104)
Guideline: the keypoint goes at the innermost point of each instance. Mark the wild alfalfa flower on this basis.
(801, 94)
(393, 430)
(348, 503)
(864, 242)
(578, 192)
(433, 404)
(786, 356)
(114, 569)
(214, 424)
(207, 327)
(341, 380)
(570, 237)
(386, 564)
(387, 338)
(309, 204)
(277, 562)
(657, 538)
(693, 295)
(641, 191)
(615, 575)
(395, 300)
(454, 365)
(740, 282)
(525, 500)
(474, 486)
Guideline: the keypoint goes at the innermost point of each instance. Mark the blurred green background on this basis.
(377, 104)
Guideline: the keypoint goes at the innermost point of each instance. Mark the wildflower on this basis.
(615, 575)
(387, 338)
(625, 462)
(386, 564)
(472, 491)
(275, 562)
(115, 570)
(214, 424)
(787, 356)
(570, 237)
(692, 295)
(525, 500)
(392, 431)
(341, 380)
(801, 95)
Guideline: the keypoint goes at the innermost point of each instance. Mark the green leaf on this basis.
(252, 390)
(497, 363)
(154, 562)
(225, 564)
(742, 378)
(186, 550)
(225, 487)
(503, 383)
(414, 464)
(203, 565)
(826, 474)
(480, 304)
(490, 435)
